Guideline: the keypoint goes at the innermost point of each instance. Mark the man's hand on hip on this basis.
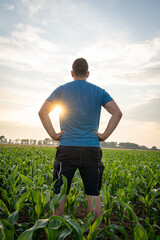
(57, 136)
(100, 136)
(116, 113)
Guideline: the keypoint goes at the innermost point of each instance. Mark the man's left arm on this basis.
(116, 115)
(43, 113)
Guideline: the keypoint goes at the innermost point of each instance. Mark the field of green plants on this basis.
(130, 196)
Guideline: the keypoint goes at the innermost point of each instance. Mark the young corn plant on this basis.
(108, 202)
(139, 232)
(36, 197)
(7, 226)
(57, 227)
(150, 201)
(73, 200)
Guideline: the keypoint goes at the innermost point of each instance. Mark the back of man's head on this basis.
(80, 67)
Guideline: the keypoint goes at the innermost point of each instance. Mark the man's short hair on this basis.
(80, 67)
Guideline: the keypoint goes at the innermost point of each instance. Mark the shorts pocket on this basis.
(100, 173)
(57, 168)
(97, 153)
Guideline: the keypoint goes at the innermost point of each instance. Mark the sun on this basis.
(56, 112)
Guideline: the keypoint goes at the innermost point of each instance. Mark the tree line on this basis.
(46, 141)
(49, 141)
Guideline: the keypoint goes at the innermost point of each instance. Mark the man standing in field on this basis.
(79, 141)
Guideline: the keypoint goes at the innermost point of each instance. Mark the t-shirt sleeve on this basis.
(55, 96)
(106, 97)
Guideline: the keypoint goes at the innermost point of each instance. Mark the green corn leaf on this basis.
(4, 208)
(63, 191)
(19, 204)
(94, 226)
(4, 194)
(151, 232)
(155, 192)
(26, 180)
(8, 229)
(12, 219)
(59, 197)
(88, 221)
(125, 205)
(142, 199)
(36, 196)
(121, 230)
(64, 234)
(71, 224)
(75, 227)
(156, 226)
(140, 233)
(63, 219)
(2, 234)
(53, 229)
(47, 197)
(94, 203)
(54, 224)
(27, 235)
(158, 237)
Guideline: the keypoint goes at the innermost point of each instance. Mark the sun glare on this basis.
(56, 112)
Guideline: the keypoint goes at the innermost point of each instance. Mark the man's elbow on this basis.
(120, 114)
(41, 113)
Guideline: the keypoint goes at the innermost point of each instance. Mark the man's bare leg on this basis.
(98, 206)
(60, 210)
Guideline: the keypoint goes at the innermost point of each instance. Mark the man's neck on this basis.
(83, 79)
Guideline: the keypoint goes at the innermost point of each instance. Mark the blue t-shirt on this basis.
(81, 102)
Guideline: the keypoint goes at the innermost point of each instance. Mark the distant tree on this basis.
(56, 143)
(47, 141)
(25, 141)
(33, 141)
(3, 139)
(18, 141)
(122, 145)
(143, 147)
(103, 144)
(111, 144)
(128, 145)
(154, 148)
(132, 145)
(40, 142)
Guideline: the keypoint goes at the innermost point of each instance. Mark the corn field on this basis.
(130, 197)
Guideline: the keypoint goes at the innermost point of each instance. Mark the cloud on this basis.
(26, 50)
(118, 61)
(10, 7)
(61, 36)
(33, 6)
(124, 62)
(147, 112)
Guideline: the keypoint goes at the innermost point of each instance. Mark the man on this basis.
(79, 138)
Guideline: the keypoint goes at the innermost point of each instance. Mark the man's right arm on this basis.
(116, 113)
(43, 113)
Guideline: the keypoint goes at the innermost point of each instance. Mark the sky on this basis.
(120, 39)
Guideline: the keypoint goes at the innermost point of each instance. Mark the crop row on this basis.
(130, 197)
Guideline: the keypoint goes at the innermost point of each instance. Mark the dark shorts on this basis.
(87, 160)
